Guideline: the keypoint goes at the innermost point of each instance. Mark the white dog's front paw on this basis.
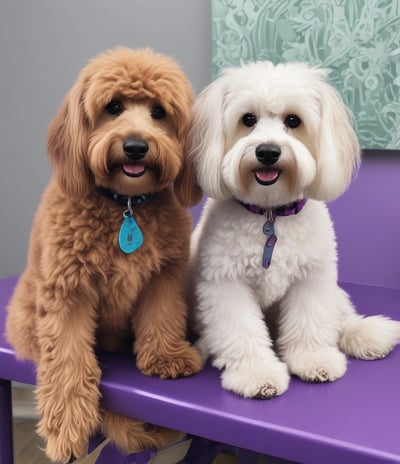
(263, 380)
(321, 365)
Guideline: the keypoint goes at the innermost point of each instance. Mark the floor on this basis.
(28, 445)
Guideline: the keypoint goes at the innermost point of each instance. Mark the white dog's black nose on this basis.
(268, 153)
(135, 148)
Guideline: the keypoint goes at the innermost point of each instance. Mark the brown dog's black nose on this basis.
(268, 153)
(135, 149)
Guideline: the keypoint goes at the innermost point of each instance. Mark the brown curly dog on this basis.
(117, 145)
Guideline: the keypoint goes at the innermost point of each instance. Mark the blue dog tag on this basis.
(130, 235)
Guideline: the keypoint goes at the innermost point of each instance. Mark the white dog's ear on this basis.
(338, 151)
(206, 141)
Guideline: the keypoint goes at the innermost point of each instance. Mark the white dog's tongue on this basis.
(133, 169)
(267, 174)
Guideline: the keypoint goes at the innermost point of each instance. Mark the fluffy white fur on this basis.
(234, 295)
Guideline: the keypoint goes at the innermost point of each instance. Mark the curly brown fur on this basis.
(79, 290)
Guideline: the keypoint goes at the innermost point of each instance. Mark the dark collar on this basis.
(286, 210)
(123, 199)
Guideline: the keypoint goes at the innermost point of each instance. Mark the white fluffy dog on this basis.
(269, 144)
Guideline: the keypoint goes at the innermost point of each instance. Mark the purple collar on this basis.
(268, 227)
(286, 210)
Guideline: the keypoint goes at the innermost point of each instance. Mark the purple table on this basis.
(354, 420)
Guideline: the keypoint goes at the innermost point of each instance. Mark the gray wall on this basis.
(43, 45)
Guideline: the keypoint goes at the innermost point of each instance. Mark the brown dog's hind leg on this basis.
(131, 435)
(20, 325)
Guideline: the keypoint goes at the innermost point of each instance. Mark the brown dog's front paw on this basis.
(183, 361)
(67, 426)
(64, 452)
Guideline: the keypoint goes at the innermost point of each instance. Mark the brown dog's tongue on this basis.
(133, 169)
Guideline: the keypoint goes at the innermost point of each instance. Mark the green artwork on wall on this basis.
(358, 40)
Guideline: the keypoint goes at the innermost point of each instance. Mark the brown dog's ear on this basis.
(186, 188)
(67, 142)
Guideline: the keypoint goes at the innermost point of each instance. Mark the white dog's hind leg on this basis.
(237, 337)
(370, 337)
(309, 332)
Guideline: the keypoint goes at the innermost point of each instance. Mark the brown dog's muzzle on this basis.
(135, 149)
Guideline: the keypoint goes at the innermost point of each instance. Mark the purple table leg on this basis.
(202, 451)
(245, 456)
(6, 435)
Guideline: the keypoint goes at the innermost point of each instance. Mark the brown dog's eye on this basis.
(158, 112)
(292, 121)
(249, 120)
(114, 107)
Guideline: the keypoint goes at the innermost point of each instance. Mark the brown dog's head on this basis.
(123, 126)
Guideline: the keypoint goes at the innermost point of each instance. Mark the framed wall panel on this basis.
(358, 40)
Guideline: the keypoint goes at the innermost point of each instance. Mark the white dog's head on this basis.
(269, 134)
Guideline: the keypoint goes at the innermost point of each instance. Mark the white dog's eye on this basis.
(249, 119)
(158, 112)
(292, 121)
(114, 107)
